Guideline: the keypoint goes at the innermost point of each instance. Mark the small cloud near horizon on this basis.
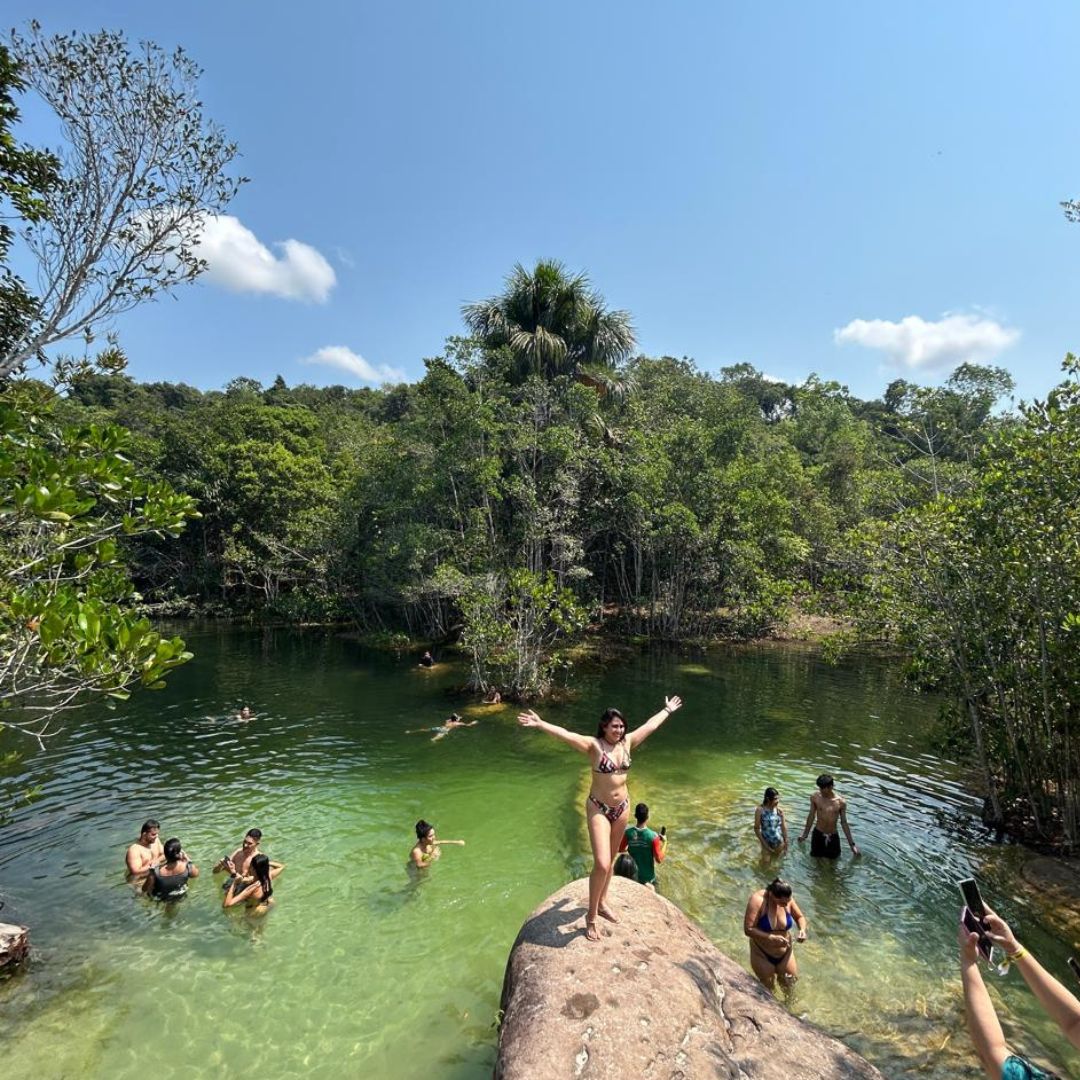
(344, 359)
(238, 260)
(919, 345)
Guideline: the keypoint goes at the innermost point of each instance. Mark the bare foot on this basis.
(590, 930)
(606, 913)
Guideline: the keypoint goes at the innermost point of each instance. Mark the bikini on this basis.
(764, 924)
(608, 766)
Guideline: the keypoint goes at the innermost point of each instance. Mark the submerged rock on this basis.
(14, 945)
(653, 998)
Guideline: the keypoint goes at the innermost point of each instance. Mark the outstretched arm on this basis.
(1056, 1001)
(640, 734)
(581, 743)
(983, 1024)
(458, 843)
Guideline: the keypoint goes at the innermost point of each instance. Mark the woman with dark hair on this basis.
(608, 804)
(770, 914)
(426, 848)
(256, 890)
(169, 880)
(769, 824)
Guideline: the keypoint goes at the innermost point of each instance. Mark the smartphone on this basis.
(663, 830)
(975, 926)
(1075, 965)
(972, 897)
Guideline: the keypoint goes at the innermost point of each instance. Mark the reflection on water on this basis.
(363, 968)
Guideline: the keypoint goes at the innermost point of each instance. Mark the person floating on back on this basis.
(826, 808)
(644, 845)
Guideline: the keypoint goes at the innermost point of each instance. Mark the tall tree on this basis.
(139, 170)
(554, 323)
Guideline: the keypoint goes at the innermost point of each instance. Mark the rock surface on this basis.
(654, 998)
(14, 944)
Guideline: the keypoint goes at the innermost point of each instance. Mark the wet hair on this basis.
(255, 834)
(260, 867)
(770, 794)
(455, 716)
(423, 828)
(641, 812)
(824, 780)
(779, 888)
(605, 719)
(149, 824)
(173, 848)
(625, 866)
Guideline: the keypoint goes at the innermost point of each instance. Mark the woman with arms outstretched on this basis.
(608, 804)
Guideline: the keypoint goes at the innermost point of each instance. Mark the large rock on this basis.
(653, 998)
(14, 944)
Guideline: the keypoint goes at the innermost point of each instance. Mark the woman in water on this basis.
(608, 804)
(426, 849)
(169, 880)
(255, 890)
(770, 914)
(769, 824)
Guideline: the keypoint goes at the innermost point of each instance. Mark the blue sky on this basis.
(864, 191)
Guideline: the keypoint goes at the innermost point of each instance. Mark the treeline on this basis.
(671, 505)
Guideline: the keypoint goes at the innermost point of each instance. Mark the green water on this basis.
(364, 970)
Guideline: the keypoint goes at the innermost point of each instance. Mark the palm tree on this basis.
(555, 323)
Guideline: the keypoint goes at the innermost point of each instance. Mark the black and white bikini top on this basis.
(607, 763)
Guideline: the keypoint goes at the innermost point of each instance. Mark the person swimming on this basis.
(444, 729)
(426, 849)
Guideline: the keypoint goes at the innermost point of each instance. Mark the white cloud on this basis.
(342, 357)
(237, 259)
(917, 344)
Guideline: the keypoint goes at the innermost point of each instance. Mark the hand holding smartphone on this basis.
(974, 916)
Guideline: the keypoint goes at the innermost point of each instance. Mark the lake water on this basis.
(364, 970)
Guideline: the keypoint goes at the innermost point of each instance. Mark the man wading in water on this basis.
(826, 806)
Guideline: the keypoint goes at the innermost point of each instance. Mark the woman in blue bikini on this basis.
(608, 804)
(770, 914)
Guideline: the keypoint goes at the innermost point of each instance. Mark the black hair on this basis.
(255, 834)
(455, 716)
(770, 794)
(149, 824)
(824, 780)
(173, 848)
(260, 867)
(605, 719)
(779, 888)
(641, 812)
(423, 828)
(625, 866)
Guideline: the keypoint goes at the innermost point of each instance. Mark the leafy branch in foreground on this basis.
(69, 498)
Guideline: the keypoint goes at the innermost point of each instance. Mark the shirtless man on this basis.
(237, 862)
(146, 852)
(827, 806)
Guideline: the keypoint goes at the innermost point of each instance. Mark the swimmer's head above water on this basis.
(424, 830)
(771, 796)
(779, 888)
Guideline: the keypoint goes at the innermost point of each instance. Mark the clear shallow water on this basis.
(364, 970)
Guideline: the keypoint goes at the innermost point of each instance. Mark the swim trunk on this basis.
(1018, 1068)
(825, 845)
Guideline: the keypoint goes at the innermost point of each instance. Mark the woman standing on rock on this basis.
(607, 806)
(770, 914)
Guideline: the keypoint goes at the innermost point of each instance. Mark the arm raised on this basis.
(640, 734)
(581, 743)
